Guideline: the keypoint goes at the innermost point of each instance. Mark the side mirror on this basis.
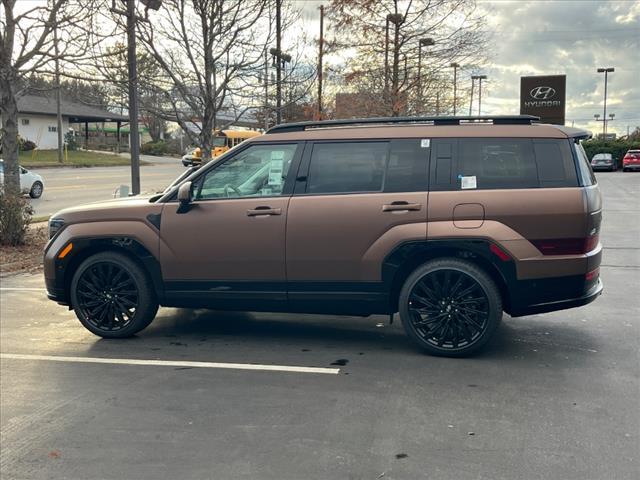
(184, 193)
(184, 197)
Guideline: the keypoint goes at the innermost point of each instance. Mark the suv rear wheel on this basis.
(450, 307)
(111, 295)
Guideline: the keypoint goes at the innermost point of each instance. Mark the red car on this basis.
(631, 161)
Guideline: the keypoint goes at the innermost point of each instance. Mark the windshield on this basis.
(219, 141)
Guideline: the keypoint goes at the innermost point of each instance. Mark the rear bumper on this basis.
(631, 166)
(551, 306)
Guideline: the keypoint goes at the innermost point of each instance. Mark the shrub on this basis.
(70, 140)
(15, 217)
(154, 148)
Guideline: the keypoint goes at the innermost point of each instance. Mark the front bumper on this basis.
(587, 297)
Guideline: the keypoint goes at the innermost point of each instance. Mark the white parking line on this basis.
(170, 363)
(18, 289)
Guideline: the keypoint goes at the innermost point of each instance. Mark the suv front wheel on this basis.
(111, 295)
(450, 307)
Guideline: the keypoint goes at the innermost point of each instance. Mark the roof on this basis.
(77, 112)
(419, 131)
(240, 133)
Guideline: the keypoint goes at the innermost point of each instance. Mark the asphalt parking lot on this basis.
(555, 396)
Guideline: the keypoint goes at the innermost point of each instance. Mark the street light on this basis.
(479, 78)
(424, 42)
(455, 84)
(606, 72)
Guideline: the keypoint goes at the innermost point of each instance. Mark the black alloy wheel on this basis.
(450, 307)
(111, 296)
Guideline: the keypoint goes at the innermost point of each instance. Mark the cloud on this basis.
(572, 38)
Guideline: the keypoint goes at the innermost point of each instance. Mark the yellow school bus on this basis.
(222, 141)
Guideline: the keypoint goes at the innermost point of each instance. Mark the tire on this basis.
(112, 296)
(36, 190)
(454, 334)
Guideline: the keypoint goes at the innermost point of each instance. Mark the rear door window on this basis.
(347, 167)
(407, 169)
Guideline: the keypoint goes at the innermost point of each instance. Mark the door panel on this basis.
(225, 240)
(329, 237)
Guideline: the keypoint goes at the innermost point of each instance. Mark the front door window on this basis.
(258, 171)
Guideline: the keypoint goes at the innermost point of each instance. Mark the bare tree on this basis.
(212, 52)
(27, 49)
(403, 48)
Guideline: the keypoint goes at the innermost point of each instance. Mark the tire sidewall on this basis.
(486, 283)
(147, 304)
(32, 193)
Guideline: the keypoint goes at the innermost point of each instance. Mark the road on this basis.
(66, 187)
(555, 396)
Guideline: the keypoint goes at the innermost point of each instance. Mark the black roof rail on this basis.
(494, 119)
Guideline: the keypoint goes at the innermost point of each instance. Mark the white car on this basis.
(30, 182)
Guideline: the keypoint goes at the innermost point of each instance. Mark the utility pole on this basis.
(266, 90)
(321, 45)
(606, 72)
(423, 42)
(471, 101)
(386, 57)
(278, 66)
(134, 135)
(396, 19)
(58, 95)
(455, 85)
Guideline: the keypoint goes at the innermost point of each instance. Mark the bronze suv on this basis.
(449, 221)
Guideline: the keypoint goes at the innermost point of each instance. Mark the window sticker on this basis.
(276, 167)
(468, 182)
(425, 142)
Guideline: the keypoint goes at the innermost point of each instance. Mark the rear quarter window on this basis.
(555, 163)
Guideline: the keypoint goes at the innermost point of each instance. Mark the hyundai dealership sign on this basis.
(544, 97)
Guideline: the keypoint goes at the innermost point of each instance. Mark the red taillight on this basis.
(593, 274)
(498, 252)
(566, 246)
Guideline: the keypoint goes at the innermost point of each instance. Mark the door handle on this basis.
(401, 206)
(264, 210)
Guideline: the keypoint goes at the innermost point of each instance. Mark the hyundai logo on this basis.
(542, 93)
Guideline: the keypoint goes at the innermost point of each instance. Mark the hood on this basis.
(128, 208)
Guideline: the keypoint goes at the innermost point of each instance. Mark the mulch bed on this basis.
(27, 257)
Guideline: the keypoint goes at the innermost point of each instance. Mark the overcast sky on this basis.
(572, 37)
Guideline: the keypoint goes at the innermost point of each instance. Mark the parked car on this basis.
(631, 161)
(603, 161)
(223, 141)
(30, 183)
(448, 223)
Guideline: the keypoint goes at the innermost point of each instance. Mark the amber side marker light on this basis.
(65, 251)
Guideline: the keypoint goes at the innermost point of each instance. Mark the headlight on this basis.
(55, 224)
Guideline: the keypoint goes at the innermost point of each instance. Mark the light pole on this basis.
(479, 78)
(455, 85)
(423, 42)
(471, 101)
(606, 72)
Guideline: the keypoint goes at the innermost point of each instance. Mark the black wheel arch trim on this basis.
(404, 258)
(84, 247)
